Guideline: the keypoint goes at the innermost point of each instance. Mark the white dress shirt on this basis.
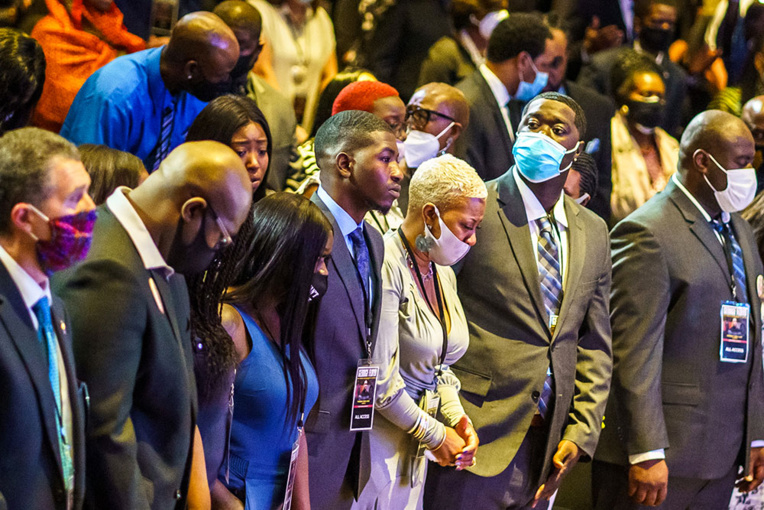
(534, 210)
(501, 95)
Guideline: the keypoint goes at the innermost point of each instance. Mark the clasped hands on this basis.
(459, 447)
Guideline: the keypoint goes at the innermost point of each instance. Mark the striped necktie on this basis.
(550, 280)
(163, 147)
(47, 336)
(732, 247)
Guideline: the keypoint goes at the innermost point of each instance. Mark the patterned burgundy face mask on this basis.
(69, 242)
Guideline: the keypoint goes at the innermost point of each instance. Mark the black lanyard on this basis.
(726, 236)
(439, 296)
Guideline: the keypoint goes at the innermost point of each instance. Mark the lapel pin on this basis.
(62, 325)
(155, 293)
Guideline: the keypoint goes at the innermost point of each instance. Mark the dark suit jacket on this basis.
(670, 390)
(340, 343)
(511, 346)
(596, 75)
(31, 476)
(401, 40)
(447, 62)
(485, 144)
(599, 110)
(138, 365)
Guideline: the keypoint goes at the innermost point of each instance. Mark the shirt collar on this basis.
(346, 223)
(468, 44)
(497, 87)
(658, 58)
(128, 217)
(706, 216)
(31, 292)
(533, 208)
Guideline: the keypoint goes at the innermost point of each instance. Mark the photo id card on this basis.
(364, 395)
(735, 332)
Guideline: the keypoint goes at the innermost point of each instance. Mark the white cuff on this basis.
(642, 457)
(757, 444)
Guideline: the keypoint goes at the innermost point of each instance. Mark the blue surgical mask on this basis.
(527, 91)
(538, 157)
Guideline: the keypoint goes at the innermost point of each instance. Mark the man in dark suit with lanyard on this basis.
(129, 307)
(357, 154)
(46, 219)
(686, 407)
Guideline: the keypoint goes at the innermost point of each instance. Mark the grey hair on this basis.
(26, 157)
(444, 181)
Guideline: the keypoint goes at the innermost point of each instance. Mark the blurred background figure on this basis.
(109, 169)
(268, 316)
(581, 183)
(455, 56)
(78, 38)
(753, 116)
(298, 55)
(750, 84)
(644, 155)
(22, 78)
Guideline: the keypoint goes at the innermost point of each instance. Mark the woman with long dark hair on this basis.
(237, 122)
(283, 270)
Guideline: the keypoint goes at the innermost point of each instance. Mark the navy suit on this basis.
(31, 476)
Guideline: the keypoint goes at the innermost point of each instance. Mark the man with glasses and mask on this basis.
(129, 312)
(144, 103)
(509, 77)
(685, 412)
(436, 116)
(535, 289)
(654, 25)
(247, 25)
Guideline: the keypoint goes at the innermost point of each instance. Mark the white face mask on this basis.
(583, 198)
(449, 249)
(740, 190)
(490, 21)
(420, 146)
(401, 150)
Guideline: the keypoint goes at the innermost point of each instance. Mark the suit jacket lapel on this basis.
(487, 95)
(698, 225)
(576, 253)
(165, 294)
(749, 252)
(15, 316)
(345, 269)
(515, 220)
(377, 253)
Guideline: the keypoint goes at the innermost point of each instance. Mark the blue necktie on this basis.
(362, 260)
(736, 254)
(163, 148)
(47, 336)
(550, 281)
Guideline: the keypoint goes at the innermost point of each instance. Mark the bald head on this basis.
(200, 55)
(753, 116)
(240, 15)
(712, 131)
(450, 99)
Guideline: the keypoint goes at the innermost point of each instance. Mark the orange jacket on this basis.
(72, 54)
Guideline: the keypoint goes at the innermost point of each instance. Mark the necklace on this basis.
(426, 276)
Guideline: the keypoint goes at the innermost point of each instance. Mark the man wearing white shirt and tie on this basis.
(46, 219)
(509, 78)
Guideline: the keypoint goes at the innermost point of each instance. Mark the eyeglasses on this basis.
(226, 240)
(398, 128)
(419, 117)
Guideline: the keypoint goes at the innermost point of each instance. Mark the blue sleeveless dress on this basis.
(261, 440)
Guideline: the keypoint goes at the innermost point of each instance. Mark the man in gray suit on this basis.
(685, 409)
(357, 154)
(535, 292)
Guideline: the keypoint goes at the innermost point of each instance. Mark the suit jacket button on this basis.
(177, 494)
(535, 396)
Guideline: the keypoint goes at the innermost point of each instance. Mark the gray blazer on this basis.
(511, 346)
(670, 390)
(340, 343)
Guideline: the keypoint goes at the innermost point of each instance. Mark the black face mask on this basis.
(190, 259)
(649, 115)
(240, 72)
(318, 286)
(655, 40)
(207, 91)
